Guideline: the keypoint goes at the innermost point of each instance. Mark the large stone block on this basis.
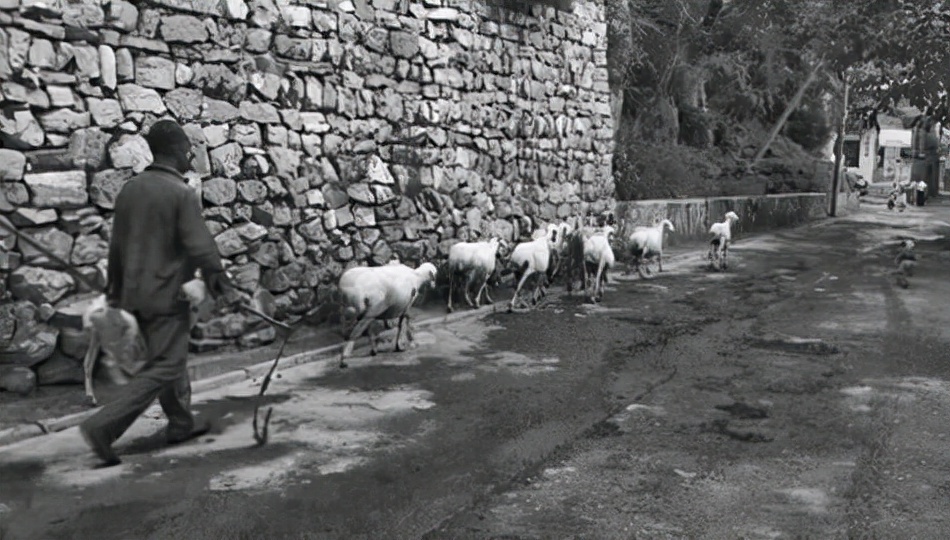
(25, 129)
(87, 147)
(183, 29)
(64, 120)
(40, 285)
(137, 98)
(57, 189)
(226, 160)
(230, 243)
(12, 164)
(105, 186)
(155, 72)
(265, 113)
(89, 249)
(130, 151)
(56, 241)
(184, 103)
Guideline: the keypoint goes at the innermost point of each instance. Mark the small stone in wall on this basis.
(226, 160)
(136, 98)
(54, 240)
(12, 164)
(31, 217)
(183, 29)
(17, 379)
(124, 65)
(251, 232)
(229, 243)
(252, 191)
(105, 112)
(218, 111)
(130, 151)
(57, 189)
(105, 186)
(264, 113)
(25, 129)
(184, 103)
(64, 120)
(40, 285)
(246, 134)
(88, 249)
(286, 161)
(267, 255)
(257, 338)
(219, 191)
(87, 147)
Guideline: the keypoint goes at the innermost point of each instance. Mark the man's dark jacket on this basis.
(159, 239)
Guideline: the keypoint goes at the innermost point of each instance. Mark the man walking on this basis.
(159, 239)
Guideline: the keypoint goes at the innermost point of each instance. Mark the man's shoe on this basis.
(198, 431)
(102, 450)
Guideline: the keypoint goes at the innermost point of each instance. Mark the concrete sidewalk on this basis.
(210, 372)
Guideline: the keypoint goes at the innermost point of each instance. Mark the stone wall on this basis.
(328, 133)
(693, 217)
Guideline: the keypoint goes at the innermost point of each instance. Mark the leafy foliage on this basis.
(753, 56)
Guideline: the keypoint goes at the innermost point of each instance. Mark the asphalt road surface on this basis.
(802, 393)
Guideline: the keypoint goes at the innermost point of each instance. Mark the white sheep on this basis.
(721, 237)
(477, 261)
(648, 241)
(598, 253)
(574, 253)
(116, 333)
(531, 258)
(380, 292)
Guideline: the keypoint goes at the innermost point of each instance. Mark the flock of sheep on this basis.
(578, 252)
(582, 251)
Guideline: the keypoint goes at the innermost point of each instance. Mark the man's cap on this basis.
(164, 135)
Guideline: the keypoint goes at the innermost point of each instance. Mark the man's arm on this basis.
(199, 244)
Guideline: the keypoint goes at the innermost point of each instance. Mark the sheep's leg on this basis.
(469, 279)
(361, 325)
(405, 317)
(478, 295)
(451, 290)
(524, 277)
(598, 288)
(89, 363)
(396, 347)
(659, 258)
(725, 254)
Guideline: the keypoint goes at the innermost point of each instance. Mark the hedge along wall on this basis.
(328, 133)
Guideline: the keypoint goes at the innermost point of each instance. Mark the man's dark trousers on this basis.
(165, 377)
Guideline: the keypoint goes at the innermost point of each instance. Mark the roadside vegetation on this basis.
(737, 97)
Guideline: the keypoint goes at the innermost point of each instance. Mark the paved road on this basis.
(685, 406)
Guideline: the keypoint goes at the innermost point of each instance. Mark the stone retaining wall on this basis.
(693, 217)
(328, 133)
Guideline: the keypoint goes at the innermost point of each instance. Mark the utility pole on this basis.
(839, 155)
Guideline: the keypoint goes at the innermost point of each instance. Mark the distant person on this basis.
(159, 239)
(921, 192)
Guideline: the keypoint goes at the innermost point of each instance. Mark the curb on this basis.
(22, 432)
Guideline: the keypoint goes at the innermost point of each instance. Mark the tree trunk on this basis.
(792, 105)
(839, 155)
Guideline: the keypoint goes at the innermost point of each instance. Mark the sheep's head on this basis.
(428, 272)
(668, 224)
(503, 248)
(732, 216)
(609, 232)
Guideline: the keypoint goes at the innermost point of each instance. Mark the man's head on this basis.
(170, 144)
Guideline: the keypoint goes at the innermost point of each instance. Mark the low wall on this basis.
(693, 217)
